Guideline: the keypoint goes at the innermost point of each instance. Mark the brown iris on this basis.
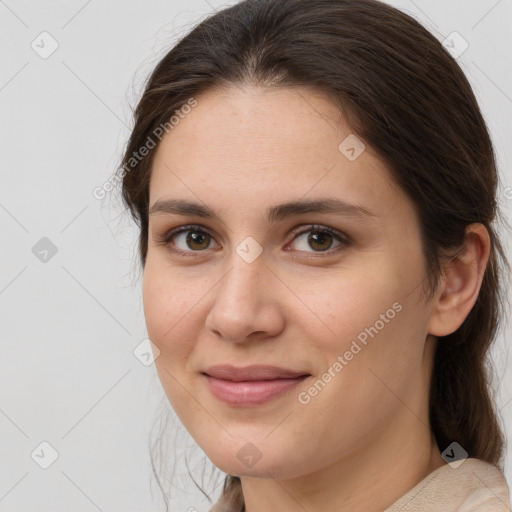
(198, 237)
(318, 238)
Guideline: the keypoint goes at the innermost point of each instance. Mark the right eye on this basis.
(192, 238)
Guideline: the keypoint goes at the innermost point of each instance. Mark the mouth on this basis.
(251, 385)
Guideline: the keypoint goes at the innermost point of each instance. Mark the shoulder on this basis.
(472, 486)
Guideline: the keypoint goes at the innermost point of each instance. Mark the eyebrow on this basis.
(273, 213)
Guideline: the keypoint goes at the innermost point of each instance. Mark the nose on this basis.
(246, 302)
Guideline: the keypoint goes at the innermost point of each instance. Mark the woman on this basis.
(316, 194)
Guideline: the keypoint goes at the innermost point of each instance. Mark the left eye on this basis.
(319, 238)
(196, 239)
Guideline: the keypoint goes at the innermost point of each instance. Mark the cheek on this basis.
(169, 314)
(168, 309)
(372, 361)
(355, 300)
(373, 315)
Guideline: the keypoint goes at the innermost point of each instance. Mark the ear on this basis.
(462, 279)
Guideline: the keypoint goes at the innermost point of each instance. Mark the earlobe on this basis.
(462, 279)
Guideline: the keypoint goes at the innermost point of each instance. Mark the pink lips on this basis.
(251, 385)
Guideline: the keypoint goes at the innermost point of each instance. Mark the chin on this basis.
(239, 457)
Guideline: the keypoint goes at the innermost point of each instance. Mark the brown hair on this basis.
(404, 95)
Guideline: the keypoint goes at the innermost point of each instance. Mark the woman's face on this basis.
(256, 283)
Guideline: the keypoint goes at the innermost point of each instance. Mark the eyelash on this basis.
(165, 239)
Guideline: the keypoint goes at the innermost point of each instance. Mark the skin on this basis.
(364, 439)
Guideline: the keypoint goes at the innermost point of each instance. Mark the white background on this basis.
(68, 375)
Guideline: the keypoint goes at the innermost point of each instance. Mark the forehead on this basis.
(260, 145)
(259, 122)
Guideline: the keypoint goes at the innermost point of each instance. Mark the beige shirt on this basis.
(473, 486)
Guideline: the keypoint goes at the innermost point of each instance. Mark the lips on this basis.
(251, 385)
